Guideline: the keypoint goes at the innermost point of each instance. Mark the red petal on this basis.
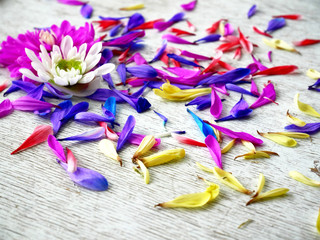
(306, 42)
(247, 45)
(290, 16)
(191, 26)
(107, 24)
(226, 65)
(279, 70)
(188, 141)
(179, 32)
(39, 135)
(147, 25)
(257, 30)
(4, 85)
(72, 161)
(214, 26)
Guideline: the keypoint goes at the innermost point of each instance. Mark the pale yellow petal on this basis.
(248, 145)
(280, 139)
(318, 222)
(229, 180)
(261, 183)
(305, 108)
(222, 28)
(146, 144)
(279, 44)
(163, 157)
(254, 155)
(314, 74)
(269, 194)
(294, 134)
(294, 120)
(229, 145)
(108, 148)
(144, 171)
(203, 168)
(301, 178)
(133, 7)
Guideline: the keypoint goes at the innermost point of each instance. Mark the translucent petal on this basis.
(203, 168)
(301, 178)
(294, 134)
(229, 145)
(248, 145)
(269, 194)
(261, 183)
(279, 44)
(305, 108)
(108, 148)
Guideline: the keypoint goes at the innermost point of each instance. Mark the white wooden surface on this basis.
(38, 201)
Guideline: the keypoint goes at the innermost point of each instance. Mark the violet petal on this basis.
(160, 52)
(27, 103)
(56, 148)
(90, 135)
(86, 11)
(214, 149)
(125, 39)
(37, 92)
(72, 2)
(57, 93)
(107, 55)
(134, 21)
(121, 69)
(79, 107)
(275, 24)
(202, 102)
(209, 38)
(268, 93)
(5, 108)
(165, 119)
(183, 60)
(142, 71)
(236, 88)
(189, 6)
(126, 131)
(115, 30)
(103, 94)
(195, 56)
(91, 117)
(58, 114)
(175, 39)
(252, 11)
(309, 128)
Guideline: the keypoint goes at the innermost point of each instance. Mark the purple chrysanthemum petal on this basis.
(275, 24)
(142, 71)
(269, 56)
(102, 94)
(195, 56)
(189, 6)
(236, 88)
(27, 103)
(259, 64)
(37, 92)
(175, 39)
(136, 139)
(57, 93)
(87, 178)
(309, 128)
(160, 52)
(58, 114)
(115, 30)
(214, 149)
(134, 21)
(216, 104)
(90, 135)
(5, 108)
(137, 58)
(72, 2)
(252, 11)
(268, 95)
(161, 26)
(209, 38)
(79, 107)
(107, 55)
(86, 11)
(91, 117)
(164, 118)
(125, 39)
(121, 69)
(182, 60)
(56, 148)
(202, 102)
(126, 132)
(240, 109)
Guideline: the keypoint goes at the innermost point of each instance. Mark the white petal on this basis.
(31, 55)
(74, 80)
(72, 53)
(38, 66)
(92, 61)
(104, 69)
(82, 51)
(95, 49)
(60, 81)
(66, 45)
(27, 73)
(45, 58)
(44, 75)
(88, 77)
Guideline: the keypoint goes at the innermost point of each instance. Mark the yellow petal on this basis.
(261, 183)
(229, 180)
(254, 155)
(163, 157)
(301, 178)
(318, 222)
(269, 194)
(109, 149)
(133, 7)
(173, 93)
(280, 139)
(279, 44)
(294, 120)
(203, 168)
(248, 145)
(221, 28)
(305, 108)
(314, 74)
(294, 134)
(145, 172)
(146, 144)
(245, 223)
(228, 146)
(193, 200)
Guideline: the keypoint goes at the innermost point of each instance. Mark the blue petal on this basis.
(182, 60)
(91, 117)
(209, 38)
(134, 21)
(79, 107)
(37, 92)
(103, 94)
(165, 120)
(121, 69)
(140, 91)
(92, 134)
(205, 128)
(142, 71)
(110, 105)
(202, 102)
(310, 128)
(177, 17)
(86, 11)
(126, 131)
(107, 55)
(58, 114)
(233, 87)
(87, 178)
(115, 30)
(275, 24)
(252, 11)
(107, 77)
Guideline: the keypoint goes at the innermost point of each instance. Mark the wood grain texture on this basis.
(38, 201)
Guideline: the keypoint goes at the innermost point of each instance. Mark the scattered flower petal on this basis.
(145, 172)
(86, 11)
(305, 108)
(252, 11)
(72, 2)
(58, 114)
(109, 149)
(57, 148)
(93, 134)
(269, 194)
(275, 24)
(280, 139)
(314, 74)
(209, 38)
(189, 6)
(306, 42)
(205, 128)
(146, 144)
(72, 161)
(214, 149)
(6, 108)
(301, 178)
(126, 132)
(229, 145)
(188, 141)
(175, 39)
(163, 157)
(279, 44)
(165, 120)
(309, 128)
(268, 95)
(289, 16)
(279, 70)
(257, 30)
(27, 103)
(216, 104)
(133, 7)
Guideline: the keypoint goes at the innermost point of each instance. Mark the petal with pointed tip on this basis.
(126, 131)
(214, 149)
(90, 135)
(57, 148)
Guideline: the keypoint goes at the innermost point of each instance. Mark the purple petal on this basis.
(87, 178)
(202, 102)
(5, 108)
(182, 72)
(314, 86)
(136, 139)
(58, 114)
(134, 21)
(115, 30)
(126, 132)
(191, 81)
(112, 18)
(37, 92)
(259, 64)
(240, 135)
(27, 103)
(214, 149)
(56, 148)
(103, 94)
(216, 104)
(107, 55)
(56, 92)
(90, 135)
(158, 84)
(204, 127)
(107, 77)
(252, 11)
(162, 117)
(195, 56)
(161, 26)
(236, 88)
(91, 117)
(160, 52)
(140, 91)
(86, 11)
(310, 128)
(253, 68)
(72, 2)
(268, 95)
(124, 40)
(254, 88)
(121, 69)
(137, 58)
(182, 60)
(209, 38)
(175, 39)
(177, 17)
(228, 29)
(189, 6)
(79, 107)
(142, 71)
(25, 86)
(240, 109)
(275, 24)
(269, 56)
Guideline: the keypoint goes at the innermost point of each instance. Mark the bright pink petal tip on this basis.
(216, 104)
(189, 6)
(214, 149)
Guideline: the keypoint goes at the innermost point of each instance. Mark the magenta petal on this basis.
(268, 95)
(72, 2)
(240, 135)
(125, 39)
(56, 148)
(175, 39)
(254, 88)
(87, 178)
(27, 103)
(189, 6)
(126, 131)
(5, 108)
(214, 149)
(195, 56)
(216, 104)
(86, 11)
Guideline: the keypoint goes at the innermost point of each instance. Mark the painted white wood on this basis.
(38, 201)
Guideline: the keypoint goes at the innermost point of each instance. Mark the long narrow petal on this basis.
(280, 139)
(72, 2)
(310, 128)
(58, 114)
(279, 70)
(79, 107)
(294, 120)
(175, 39)
(209, 38)
(294, 134)
(72, 161)
(6, 108)
(267, 96)
(126, 131)
(269, 194)
(160, 51)
(109, 149)
(306, 42)
(142, 71)
(318, 222)
(145, 171)
(204, 127)
(121, 69)
(216, 104)
(39, 135)
(214, 149)
(57, 148)
(280, 44)
(146, 144)
(229, 145)
(229, 180)
(301, 178)
(27, 103)
(289, 16)
(92, 117)
(163, 157)
(164, 118)
(305, 108)
(261, 183)
(87, 178)
(182, 60)
(257, 30)
(133, 7)
(188, 141)
(90, 135)
(252, 11)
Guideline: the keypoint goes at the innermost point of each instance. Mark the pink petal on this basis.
(56, 148)
(72, 161)
(268, 95)
(39, 135)
(27, 103)
(189, 6)
(5, 108)
(72, 2)
(214, 149)
(216, 104)
(254, 88)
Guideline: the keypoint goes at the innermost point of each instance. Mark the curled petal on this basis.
(261, 183)
(126, 131)
(109, 132)
(57, 148)
(163, 157)
(6, 108)
(229, 145)
(312, 73)
(305, 108)
(79, 107)
(268, 95)
(294, 120)
(280, 139)
(165, 119)
(87, 178)
(109, 149)
(189, 6)
(145, 171)
(39, 135)
(214, 149)
(301, 178)
(248, 145)
(146, 144)
(90, 135)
